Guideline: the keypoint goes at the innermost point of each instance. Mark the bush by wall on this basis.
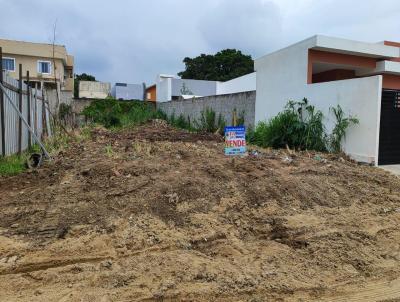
(208, 122)
(115, 113)
(300, 126)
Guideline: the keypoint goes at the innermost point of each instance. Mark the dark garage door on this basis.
(389, 139)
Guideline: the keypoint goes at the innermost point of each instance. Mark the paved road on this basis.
(395, 169)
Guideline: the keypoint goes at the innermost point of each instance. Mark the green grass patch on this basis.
(208, 121)
(112, 113)
(12, 165)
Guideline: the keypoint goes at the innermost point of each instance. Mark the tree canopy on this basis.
(223, 66)
(81, 77)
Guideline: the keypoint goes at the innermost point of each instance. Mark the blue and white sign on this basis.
(235, 140)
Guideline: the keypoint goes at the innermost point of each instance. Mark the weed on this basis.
(85, 132)
(116, 114)
(142, 149)
(64, 111)
(182, 122)
(207, 122)
(221, 123)
(58, 142)
(339, 131)
(300, 126)
(12, 165)
(109, 150)
(240, 121)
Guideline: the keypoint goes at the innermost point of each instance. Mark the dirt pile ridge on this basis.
(159, 214)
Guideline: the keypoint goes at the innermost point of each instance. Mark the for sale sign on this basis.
(235, 140)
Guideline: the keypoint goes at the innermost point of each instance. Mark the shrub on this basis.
(207, 121)
(240, 121)
(114, 113)
(221, 123)
(308, 131)
(64, 111)
(300, 126)
(339, 131)
(181, 122)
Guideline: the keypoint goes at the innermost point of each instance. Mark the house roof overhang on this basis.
(383, 67)
(345, 46)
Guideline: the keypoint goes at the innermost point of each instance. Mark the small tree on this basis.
(81, 77)
(223, 66)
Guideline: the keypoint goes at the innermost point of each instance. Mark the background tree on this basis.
(81, 77)
(223, 66)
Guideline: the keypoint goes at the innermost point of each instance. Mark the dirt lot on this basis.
(157, 214)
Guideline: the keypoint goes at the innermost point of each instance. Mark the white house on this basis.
(124, 91)
(363, 78)
(169, 87)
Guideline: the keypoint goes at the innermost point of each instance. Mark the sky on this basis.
(132, 41)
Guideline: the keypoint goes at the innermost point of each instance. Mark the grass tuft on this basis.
(12, 165)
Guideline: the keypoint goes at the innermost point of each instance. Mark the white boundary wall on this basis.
(168, 86)
(164, 88)
(94, 90)
(282, 76)
(240, 84)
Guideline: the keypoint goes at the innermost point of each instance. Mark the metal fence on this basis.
(14, 134)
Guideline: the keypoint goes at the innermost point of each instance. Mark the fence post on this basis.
(43, 112)
(2, 109)
(43, 115)
(20, 94)
(28, 91)
(36, 114)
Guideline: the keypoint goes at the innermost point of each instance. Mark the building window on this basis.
(44, 67)
(9, 64)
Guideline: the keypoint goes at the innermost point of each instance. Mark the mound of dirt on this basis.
(160, 214)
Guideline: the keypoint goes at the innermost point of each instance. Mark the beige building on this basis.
(46, 63)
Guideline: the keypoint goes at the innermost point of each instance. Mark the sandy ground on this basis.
(157, 214)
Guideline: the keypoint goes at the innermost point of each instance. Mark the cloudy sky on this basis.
(134, 40)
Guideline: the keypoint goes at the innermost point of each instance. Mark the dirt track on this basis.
(157, 214)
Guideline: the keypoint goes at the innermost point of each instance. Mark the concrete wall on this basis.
(66, 97)
(221, 104)
(128, 91)
(240, 84)
(168, 86)
(94, 90)
(79, 104)
(163, 88)
(197, 87)
(282, 76)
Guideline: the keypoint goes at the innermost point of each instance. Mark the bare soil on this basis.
(159, 214)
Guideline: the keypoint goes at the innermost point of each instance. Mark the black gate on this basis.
(389, 138)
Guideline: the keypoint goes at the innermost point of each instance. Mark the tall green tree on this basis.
(81, 77)
(223, 66)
